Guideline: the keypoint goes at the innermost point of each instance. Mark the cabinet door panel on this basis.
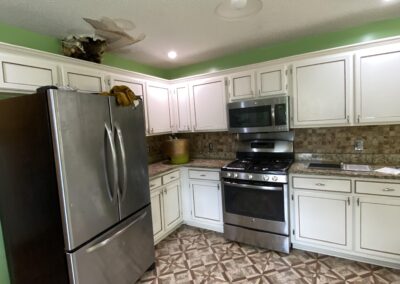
(271, 80)
(158, 108)
(321, 91)
(183, 108)
(378, 226)
(323, 218)
(83, 79)
(26, 74)
(209, 107)
(241, 85)
(377, 85)
(157, 212)
(172, 205)
(206, 198)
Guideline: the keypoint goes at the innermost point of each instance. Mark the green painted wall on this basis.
(368, 32)
(18, 36)
(4, 279)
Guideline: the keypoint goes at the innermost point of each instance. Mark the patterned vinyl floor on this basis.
(192, 255)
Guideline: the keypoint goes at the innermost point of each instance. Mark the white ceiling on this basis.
(191, 27)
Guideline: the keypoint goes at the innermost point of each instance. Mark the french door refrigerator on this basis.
(74, 194)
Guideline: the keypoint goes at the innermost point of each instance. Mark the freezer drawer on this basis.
(119, 256)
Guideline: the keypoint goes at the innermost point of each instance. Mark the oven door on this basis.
(257, 205)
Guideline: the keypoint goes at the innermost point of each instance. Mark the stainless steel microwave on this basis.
(260, 115)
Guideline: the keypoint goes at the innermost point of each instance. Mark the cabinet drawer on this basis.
(154, 183)
(203, 175)
(170, 177)
(323, 184)
(378, 188)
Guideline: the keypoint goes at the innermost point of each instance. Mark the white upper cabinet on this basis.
(208, 104)
(83, 79)
(182, 108)
(137, 86)
(158, 108)
(322, 91)
(26, 73)
(377, 85)
(272, 80)
(241, 86)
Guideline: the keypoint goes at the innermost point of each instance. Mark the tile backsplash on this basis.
(381, 144)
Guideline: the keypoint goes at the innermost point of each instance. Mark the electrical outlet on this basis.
(359, 145)
(210, 147)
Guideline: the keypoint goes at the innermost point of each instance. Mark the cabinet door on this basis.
(157, 212)
(137, 86)
(209, 104)
(241, 86)
(172, 205)
(206, 201)
(323, 218)
(377, 85)
(271, 80)
(158, 108)
(26, 74)
(378, 226)
(83, 79)
(322, 91)
(182, 109)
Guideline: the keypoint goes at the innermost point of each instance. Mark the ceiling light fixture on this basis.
(172, 54)
(232, 10)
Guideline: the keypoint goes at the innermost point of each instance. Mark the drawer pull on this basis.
(202, 175)
(152, 185)
(172, 177)
(348, 201)
(388, 189)
(320, 184)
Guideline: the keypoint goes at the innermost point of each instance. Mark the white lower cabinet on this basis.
(330, 226)
(166, 205)
(206, 200)
(362, 223)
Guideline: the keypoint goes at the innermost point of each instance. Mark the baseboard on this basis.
(212, 227)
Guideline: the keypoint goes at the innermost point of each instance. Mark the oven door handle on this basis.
(271, 188)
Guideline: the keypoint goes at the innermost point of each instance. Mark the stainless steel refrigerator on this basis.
(74, 194)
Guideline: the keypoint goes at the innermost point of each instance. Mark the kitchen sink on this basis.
(325, 166)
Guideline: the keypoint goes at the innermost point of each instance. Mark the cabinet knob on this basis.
(358, 118)
(348, 119)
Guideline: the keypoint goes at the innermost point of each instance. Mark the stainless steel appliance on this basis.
(261, 115)
(255, 191)
(74, 198)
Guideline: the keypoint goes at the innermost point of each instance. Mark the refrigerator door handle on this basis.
(112, 187)
(102, 243)
(120, 142)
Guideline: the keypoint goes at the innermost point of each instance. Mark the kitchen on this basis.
(353, 70)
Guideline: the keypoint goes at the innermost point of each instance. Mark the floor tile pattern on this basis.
(192, 255)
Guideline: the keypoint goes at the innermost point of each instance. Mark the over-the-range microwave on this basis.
(260, 115)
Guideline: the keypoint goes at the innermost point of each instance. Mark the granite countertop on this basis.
(302, 168)
(164, 166)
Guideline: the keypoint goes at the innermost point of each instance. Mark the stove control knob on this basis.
(250, 176)
(235, 175)
(274, 178)
(228, 175)
(266, 177)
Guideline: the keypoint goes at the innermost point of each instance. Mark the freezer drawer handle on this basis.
(112, 188)
(121, 151)
(120, 232)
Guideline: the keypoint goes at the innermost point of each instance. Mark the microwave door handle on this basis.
(273, 114)
(270, 188)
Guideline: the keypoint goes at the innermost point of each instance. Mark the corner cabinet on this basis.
(208, 104)
(350, 217)
(181, 108)
(166, 204)
(26, 73)
(322, 91)
(377, 85)
(83, 79)
(159, 108)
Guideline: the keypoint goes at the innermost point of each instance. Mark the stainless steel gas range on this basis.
(255, 191)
